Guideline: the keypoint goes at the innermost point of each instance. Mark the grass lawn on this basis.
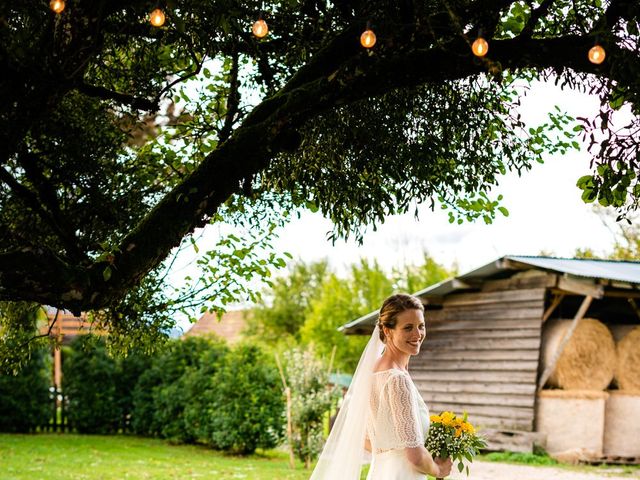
(66, 456)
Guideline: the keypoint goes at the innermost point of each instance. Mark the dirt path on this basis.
(504, 471)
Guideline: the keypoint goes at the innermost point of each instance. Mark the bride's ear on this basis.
(386, 331)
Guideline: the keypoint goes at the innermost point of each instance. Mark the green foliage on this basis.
(112, 157)
(19, 322)
(312, 302)
(200, 391)
(90, 387)
(244, 408)
(159, 398)
(311, 399)
(520, 457)
(24, 397)
(289, 304)
(413, 278)
(334, 305)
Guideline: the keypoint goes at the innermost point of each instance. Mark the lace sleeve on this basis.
(403, 413)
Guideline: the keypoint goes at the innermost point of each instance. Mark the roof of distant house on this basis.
(229, 327)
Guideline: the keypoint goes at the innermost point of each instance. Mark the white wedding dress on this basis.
(398, 418)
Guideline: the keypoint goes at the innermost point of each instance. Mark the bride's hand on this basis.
(444, 466)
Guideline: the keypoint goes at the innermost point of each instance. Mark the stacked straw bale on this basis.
(627, 370)
(588, 360)
(573, 421)
(622, 424)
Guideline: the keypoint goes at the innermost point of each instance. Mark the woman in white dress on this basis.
(383, 411)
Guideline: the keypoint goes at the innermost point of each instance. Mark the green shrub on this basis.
(164, 391)
(89, 386)
(129, 370)
(308, 378)
(243, 409)
(24, 398)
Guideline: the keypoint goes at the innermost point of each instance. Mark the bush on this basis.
(244, 408)
(24, 398)
(165, 390)
(311, 399)
(89, 385)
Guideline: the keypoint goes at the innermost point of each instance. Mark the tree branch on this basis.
(33, 202)
(233, 99)
(106, 94)
(536, 15)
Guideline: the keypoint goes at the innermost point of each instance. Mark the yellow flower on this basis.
(458, 432)
(447, 418)
(435, 418)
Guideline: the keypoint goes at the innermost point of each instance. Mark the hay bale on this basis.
(588, 359)
(573, 421)
(627, 369)
(622, 424)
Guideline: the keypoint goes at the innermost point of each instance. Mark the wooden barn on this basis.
(483, 351)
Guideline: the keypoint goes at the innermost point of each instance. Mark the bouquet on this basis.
(455, 437)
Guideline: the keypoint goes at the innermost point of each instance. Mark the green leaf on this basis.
(106, 274)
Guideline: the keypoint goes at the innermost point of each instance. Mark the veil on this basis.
(341, 458)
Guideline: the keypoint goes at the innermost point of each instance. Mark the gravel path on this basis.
(504, 471)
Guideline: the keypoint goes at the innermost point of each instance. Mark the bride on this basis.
(383, 411)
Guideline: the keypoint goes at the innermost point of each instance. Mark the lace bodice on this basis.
(398, 417)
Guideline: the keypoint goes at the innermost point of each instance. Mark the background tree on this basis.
(283, 309)
(305, 117)
(25, 405)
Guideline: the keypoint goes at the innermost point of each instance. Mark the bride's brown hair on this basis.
(394, 306)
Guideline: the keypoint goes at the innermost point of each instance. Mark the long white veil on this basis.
(341, 458)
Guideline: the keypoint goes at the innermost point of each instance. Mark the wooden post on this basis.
(287, 393)
(567, 336)
(556, 301)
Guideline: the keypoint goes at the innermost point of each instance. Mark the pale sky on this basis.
(546, 214)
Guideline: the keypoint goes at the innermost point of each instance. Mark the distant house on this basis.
(230, 327)
(484, 331)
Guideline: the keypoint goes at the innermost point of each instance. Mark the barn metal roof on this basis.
(619, 271)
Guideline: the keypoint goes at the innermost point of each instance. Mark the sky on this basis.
(546, 214)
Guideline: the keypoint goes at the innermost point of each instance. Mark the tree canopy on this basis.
(109, 157)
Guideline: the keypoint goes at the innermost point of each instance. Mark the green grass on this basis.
(66, 456)
(546, 460)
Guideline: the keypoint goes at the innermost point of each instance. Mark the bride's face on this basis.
(409, 332)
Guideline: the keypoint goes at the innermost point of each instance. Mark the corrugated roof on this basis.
(623, 271)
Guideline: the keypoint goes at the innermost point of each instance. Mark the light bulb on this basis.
(597, 54)
(56, 5)
(368, 39)
(260, 28)
(480, 47)
(157, 17)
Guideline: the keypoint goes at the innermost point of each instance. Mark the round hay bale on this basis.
(627, 369)
(588, 359)
(573, 421)
(622, 423)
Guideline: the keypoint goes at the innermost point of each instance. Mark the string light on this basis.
(597, 54)
(157, 17)
(480, 47)
(260, 28)
(368, 38)
(57, 5)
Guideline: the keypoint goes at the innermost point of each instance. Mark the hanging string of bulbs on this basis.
(479, 47)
